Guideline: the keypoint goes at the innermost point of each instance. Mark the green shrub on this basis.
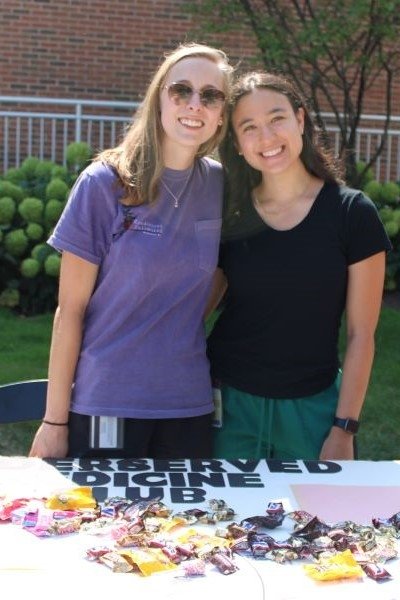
(59, 172)
(390, 193)
(52, 211)
(57, 189)
(29, 166)
(33, 176)
(34, 231)
(392, 228)
(52, 265)
(9, 298)
(390, 284)
(373, 189)
(78, 155)
(10, 189)
(41, 252)
(387, 199)
(7, 210)
(392, 273)
(44, 169)
(386, 214)
(16, 242)
(30, 267)
(365, 175)
(31, 210)
(32, 198)
(14, 175)
(396, 215)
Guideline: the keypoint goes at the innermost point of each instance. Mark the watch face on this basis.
(350, 425)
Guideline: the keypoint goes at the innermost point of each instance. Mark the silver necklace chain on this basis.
(177, 198)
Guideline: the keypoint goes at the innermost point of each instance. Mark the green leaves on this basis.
(336, 50)
(32, 198)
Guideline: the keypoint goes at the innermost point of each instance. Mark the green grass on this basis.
(24, 347)
(379, 434)
(24, 353)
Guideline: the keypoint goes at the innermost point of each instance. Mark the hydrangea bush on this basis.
(386, 197)
(32, 199)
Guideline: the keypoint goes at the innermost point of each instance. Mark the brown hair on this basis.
(138, 158)
(241, 178)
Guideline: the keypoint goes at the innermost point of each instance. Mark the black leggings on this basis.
(190, 437)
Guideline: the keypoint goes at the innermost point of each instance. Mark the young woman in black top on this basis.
(299, 249)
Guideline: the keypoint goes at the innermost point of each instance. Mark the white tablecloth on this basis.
(56, 568)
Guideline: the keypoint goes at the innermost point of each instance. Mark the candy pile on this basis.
(340, 551)
(142, 537)
(146, 537)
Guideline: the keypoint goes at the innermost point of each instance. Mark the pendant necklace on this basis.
(177, 198)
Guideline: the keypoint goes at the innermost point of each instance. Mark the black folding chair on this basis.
(23, 400)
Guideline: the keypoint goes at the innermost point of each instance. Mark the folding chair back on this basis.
(23, 400)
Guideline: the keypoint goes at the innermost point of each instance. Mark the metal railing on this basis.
(46, 133)
(368, 138)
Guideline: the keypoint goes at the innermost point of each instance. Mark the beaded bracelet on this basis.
(52, 423)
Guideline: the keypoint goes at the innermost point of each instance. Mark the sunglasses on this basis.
(182, 93)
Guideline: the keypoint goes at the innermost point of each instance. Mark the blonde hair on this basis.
(138, 158)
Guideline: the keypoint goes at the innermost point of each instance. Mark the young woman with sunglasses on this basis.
(128, 373)
(300, 248)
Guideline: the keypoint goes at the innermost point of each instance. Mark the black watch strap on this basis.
(350, 425)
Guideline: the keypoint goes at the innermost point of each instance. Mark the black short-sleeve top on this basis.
(278, 333)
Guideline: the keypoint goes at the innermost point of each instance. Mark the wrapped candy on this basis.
(223, 562)
(186, 550)
(376, 572)
(393, 521)
(203, 543)
(220, 511)
(301, 517)
(159, 509)
(115, 506)
(116, 562)
(133, 539)
(97, 551)
(193, 568)
(44, 522)
(172, 553)
(75, 498)
(168, 525)
(260, 544)
(340, 566)
(65, 526)
(138, 509)
(149, 560)
(8, 507)
(101, 526)
(311, 530)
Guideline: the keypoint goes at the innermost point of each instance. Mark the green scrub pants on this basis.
(254, 427)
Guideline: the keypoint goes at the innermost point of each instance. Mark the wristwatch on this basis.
(350, 425)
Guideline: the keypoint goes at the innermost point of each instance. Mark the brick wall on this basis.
(102, 49)
(89, 48)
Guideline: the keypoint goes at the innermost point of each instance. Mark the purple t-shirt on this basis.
(143, 350)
